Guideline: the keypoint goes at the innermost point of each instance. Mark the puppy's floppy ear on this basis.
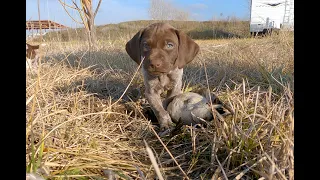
(188, 49)
(133, 47)
(32, 46)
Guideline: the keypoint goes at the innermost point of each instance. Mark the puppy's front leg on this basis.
(162, 115)
(176, 80)
(171, 94)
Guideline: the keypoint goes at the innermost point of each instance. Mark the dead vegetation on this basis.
(73, 132)
(230, 28)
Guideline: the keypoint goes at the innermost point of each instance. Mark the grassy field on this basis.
(78, 129)
(125, 30)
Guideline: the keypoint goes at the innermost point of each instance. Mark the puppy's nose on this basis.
(155, 65)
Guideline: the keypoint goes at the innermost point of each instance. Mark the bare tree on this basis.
(165, 10)
(87, 16)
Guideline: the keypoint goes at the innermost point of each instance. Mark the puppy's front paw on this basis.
(165, 121)
(166, 125)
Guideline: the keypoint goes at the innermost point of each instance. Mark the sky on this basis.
(115, 11)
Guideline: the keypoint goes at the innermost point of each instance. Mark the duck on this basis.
(190, 108)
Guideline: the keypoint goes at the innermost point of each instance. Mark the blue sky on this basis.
(115, 11)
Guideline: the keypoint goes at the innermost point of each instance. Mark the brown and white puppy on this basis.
(32, 55)
(165, 51)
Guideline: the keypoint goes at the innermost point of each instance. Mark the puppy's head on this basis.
(30, 50)
(163, 47)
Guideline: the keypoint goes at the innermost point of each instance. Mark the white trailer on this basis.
(268, 15)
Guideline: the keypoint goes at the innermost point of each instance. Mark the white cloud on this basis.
(114, 12)
(198, 6)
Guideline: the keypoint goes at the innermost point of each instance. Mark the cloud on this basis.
(197, 16)
(115, 11)
(198, 6)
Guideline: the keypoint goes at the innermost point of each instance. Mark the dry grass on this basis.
(124, 30)
(73, 133)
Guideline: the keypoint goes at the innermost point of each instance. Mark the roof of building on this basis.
(45, 24)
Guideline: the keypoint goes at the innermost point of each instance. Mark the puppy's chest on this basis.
(166, 82)
(161, 83)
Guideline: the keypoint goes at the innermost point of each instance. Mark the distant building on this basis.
(33, 27)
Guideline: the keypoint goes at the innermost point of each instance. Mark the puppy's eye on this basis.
(169, 45)
(145, 46)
